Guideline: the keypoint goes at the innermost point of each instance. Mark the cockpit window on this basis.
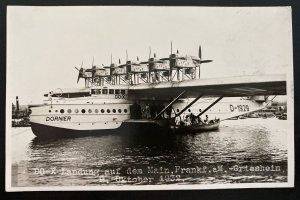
(96, 91)
(104, 91)
(111, 91)
(73, 94)
(117, 91)
(122, 91)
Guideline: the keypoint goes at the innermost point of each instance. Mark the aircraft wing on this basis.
(213, 87)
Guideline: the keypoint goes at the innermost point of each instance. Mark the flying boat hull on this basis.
(140, 127)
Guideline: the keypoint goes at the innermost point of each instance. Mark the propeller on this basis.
(200, 56)
(94, 69)
(111, 59)
(80, 66)
(199, 53)
(171, 57)
(80, 72)
(205, 61)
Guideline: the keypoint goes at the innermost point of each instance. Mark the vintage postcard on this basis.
(149, 98)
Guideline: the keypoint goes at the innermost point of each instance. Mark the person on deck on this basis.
(153, 109)
(187, 120)
(193, 118)
(200, 122)
(206, 119)
(147, 111)
(138, 111)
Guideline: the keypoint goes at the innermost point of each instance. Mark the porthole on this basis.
(90, 110)
(125, 110)
(83, 110)
(189, 110)
(102, 110)
(49, 111)
(69, 111)
(108, 111)
(76, 110)
(96, 110)
(200, 110)
(119, 110)
(177, 110)
(114, 110)
(55, 110)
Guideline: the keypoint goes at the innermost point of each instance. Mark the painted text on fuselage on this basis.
(58, 118)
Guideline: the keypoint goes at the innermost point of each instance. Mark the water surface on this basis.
(241, 151)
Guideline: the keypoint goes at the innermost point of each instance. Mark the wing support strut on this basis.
(169, 105)
(211, 105)
(190, 104)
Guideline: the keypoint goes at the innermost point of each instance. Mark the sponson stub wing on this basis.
(213, 87)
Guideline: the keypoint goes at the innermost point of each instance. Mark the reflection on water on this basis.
(251, 150)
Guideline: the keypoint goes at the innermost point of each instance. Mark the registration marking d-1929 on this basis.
(240, 108)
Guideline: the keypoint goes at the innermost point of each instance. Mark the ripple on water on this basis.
(250, 143)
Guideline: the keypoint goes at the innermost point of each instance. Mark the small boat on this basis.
(196, 128)
(205, 127)
(22, 122)
(253, 115)
(242, 117)
(233, 118)
(282, 116)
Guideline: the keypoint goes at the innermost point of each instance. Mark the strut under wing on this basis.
(237, 86)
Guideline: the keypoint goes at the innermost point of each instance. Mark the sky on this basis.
(44, 44)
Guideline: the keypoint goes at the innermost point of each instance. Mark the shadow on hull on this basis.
(126, 129)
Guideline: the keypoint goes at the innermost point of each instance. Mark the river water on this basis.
(241, 151)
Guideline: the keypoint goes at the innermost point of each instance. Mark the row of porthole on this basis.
(102, 111)
(91, 111)
(188, 110)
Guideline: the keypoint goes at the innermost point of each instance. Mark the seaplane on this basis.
(146, 96)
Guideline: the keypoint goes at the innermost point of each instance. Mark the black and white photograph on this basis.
(149, 98)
